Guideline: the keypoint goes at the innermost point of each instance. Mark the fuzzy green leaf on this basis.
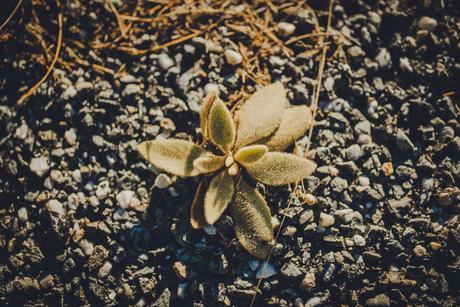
(218, 196)
(251, 220)
(197, 209)
(172, 156)
(261, 114)
(221, 126)
(250, 154)
(276, 168)
(209, 164)
(295, 122)
(204, 113)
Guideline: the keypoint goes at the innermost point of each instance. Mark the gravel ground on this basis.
(84, 220)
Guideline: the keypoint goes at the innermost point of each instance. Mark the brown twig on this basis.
(7, 20)
(50, 68)
(121, 24)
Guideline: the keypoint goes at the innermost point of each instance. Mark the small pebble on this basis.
(233, 57)
(54, 205)
(265, 270)
(23, 214)
(131, 89)
(87, 247)
(124, 198)
(363, 127)
(105, 269)
(289, 231)
(404, 65)
(103, 190)
(305, 217)
(420, 251)
(286, 29)
(309, 199)
(383, 58)
(69, 92)
(353, 152)
(76, 175)
(180, 269)
(39, 166)
(308, 282)
(47, 282)
(70, 136)
(387, 168)
(326, 220)
(345, 215)
(162, 181)
(359, 240)
(165, 61)
(427, 23)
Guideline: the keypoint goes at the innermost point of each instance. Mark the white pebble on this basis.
(233, 57)
(211, 87)
(76, 175)
(165, 61)
(103, 190)
(39, 166)
(54, 205)
(162, 181)
(124, 198)
(286, 28)
(69, 92)
(22, 214)
(70, 136)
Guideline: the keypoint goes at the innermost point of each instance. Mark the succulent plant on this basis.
(234, 148)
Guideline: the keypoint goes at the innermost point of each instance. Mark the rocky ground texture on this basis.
(84, 220)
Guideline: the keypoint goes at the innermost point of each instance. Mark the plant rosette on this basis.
(235, 147)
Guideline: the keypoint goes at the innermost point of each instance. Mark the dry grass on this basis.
(253, 31)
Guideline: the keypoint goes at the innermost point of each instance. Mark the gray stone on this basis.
(339, 184)
(353, 152)
(265, 270)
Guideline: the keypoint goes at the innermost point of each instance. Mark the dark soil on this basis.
(384, 228)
